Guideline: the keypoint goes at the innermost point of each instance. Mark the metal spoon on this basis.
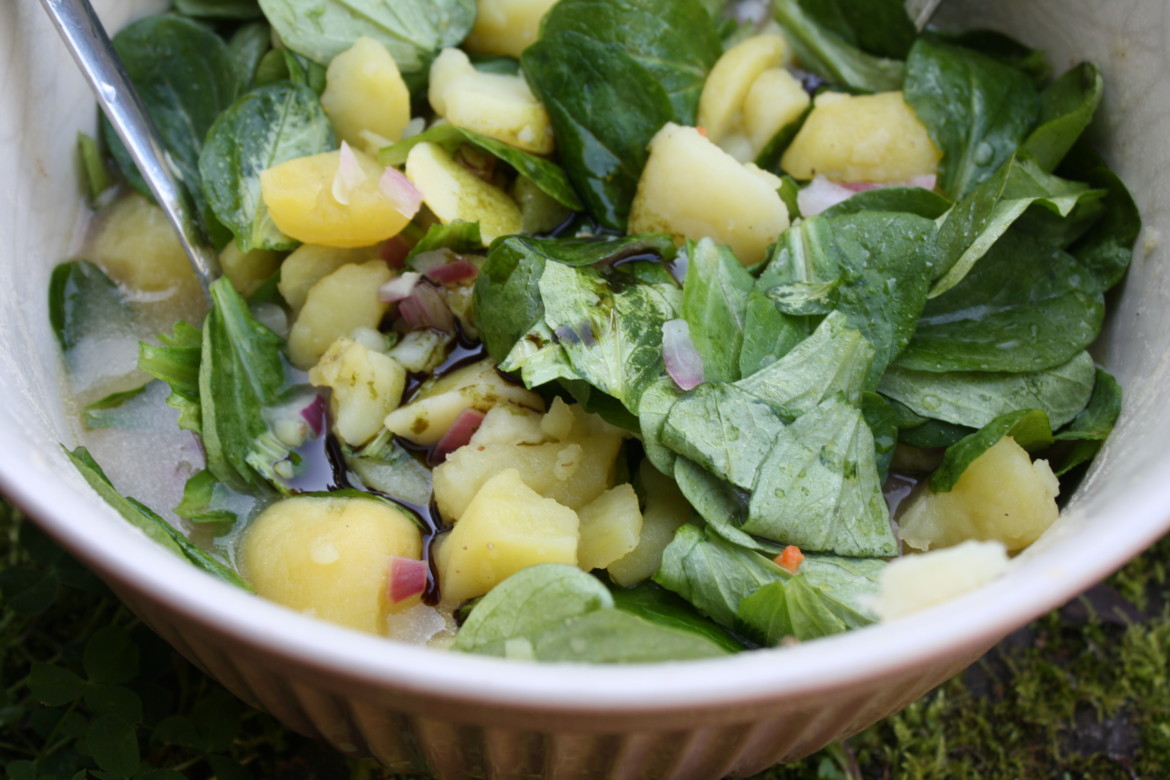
(87, 41)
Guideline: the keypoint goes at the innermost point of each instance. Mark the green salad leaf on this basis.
(714, 305)
(1029, 428)
(824, 51)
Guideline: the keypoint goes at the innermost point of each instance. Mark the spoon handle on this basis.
(87, 41)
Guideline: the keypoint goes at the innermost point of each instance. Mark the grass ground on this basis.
(88, 692)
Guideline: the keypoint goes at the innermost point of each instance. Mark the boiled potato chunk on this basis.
(666, 509)
(453, 193)
(573, 473)
(690, 188)
(247, 270)
(366, 97)
(861, 138)
(342, 301)
(508, 527)
(479, 386)
(1002, 496)
(915, 582)
(329, 557)
(137, 247)
(497, 105)
(309, 264)
(776, 100)
(506, 27)
(727, 86)
(610, 527)
(510, 424)
(301, 200)
(366, 386)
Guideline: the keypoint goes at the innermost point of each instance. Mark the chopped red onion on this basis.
(407, 578)
(456, 271)
(394, 251)
(820, 195)
(394, 185)
(425, 308)
(459, 434)
(399, 287)
(349, 175)
(682, 359)
(314, 414)
(423, 262)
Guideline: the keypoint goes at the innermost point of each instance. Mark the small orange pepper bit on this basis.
(790, 559)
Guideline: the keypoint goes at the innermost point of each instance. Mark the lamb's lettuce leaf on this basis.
(556, 612)
(981, 218)
(117, 410)
(412, 30)
(176, 360)
(1106, 249)
(186, 78)
(262, 128)
(658, 605)
(242, 380)
(219, 9)
(1083, 437)
(84, 303)
(247, 47)
(714, 305)
(1067, 106)
(977, 109)
(878, 27)
(1010, 315)
(824, 52)
(973, 398)
(818, 487)
(676, 41)
(579, 80)
(148, 521)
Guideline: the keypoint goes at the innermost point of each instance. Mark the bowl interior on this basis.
(1122, 506)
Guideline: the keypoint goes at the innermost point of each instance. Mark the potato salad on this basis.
(596, 330)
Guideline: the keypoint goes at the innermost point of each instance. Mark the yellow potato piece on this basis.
(432, 411)
(366, 386)
(915, 582)
(136, 245)
(506, 27)
(497, 105)
(610, 527)
(365, 96)
(248, 270)
(300, 198)
(309, 264)
(666, 509)
(507, 527)
(341, 302)
(329, 557)
(1002, 496)
(454, 193)
(690, 188)
(727, 86)
(776, 99)
(871, 138)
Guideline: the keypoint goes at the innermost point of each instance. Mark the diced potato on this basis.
(871, 138)
(666, 509)
(137, 247)
(573, 473)
(366, 97)
(342, 301)
(497, 105)
(329, 557)
(309, 264)
(301, 199)
(690, 188)
(722, 100)
(610, 527)
(1002, 496)
(559, 420)
(506, 27)
(454, 193)
(915, 582)
(248, 270)
(510, 424)
(506, 528)
(366, 386)
(776, 100)
(432, 411)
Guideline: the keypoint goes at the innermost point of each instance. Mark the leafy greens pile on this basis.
(930, 319)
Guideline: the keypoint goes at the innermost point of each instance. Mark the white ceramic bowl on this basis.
(468, 716)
